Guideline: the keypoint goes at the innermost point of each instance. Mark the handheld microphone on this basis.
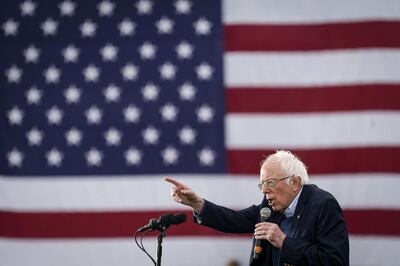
(163, 222)
(265, 213)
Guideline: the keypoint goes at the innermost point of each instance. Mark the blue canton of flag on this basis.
(111, 87)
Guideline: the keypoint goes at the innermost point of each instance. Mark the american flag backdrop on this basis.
(100, 99)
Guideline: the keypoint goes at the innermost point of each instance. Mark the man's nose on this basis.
(266, 190)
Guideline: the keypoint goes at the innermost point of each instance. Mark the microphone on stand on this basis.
(163, 222)
(265, 213)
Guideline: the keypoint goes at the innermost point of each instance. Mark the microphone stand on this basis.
(160, 225)
(159, 246)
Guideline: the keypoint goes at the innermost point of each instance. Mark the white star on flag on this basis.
(130, 72)
(133, 156)
(165, 25)
(112, 93)
(109, 52)
(94, 115)
(131, 114)
(204, 71)
(168, 71)
(28, 8)
(183, 7)
(15, 158)
(49, 27)
(34, 137)
(147, 50)
(169, 112)
(54, 115)
(91, 73)
(14, 74)
(15, 116)
(52, 74)
(10, 27)
(184, 50)
(106, 8)
(205, 113)
(206, 156)
(54, 157)
(113, 136)
(187, 135)
(74, 136)
(126, 27)
(151, 135)
(67, 8)
(33, 95)
(187, 91)
(150, 92)
(94, 157)
(202, 26)
(72, 94)
(170, 155)
(144, 7)
(71, 54)
(31, 54)
(88, 28)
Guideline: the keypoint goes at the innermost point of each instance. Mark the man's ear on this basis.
(296, 181)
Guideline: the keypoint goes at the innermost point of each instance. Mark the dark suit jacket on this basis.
(317, 235)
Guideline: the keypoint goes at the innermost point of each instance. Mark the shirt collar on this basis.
(289, 211)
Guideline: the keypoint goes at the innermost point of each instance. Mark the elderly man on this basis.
(306, 225)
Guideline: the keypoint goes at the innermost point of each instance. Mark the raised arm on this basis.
(185, 195)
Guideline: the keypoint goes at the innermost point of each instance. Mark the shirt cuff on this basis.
(197, 217)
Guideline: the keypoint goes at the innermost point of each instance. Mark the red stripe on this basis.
(313, 99)
(373, 222)
(312, 37)
(124, 224)
(324, 161)
(86, 224)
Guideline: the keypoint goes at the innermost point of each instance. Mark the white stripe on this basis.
(105, 252)
(135, 194)
(200, 251)
(361, 66)
(115, 193)
(313, 130)
(374, 251)
(362, 191)
(308, 11)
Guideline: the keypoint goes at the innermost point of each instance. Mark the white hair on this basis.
(290, 164)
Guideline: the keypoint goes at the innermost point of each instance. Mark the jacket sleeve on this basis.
(330, 246)
(227, 220)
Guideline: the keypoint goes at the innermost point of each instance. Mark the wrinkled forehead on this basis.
(270, 170)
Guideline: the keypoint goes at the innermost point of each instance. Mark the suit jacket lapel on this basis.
(301, 205)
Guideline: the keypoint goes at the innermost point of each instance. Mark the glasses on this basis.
(270, 183)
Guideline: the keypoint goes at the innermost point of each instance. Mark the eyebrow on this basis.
(265, 179)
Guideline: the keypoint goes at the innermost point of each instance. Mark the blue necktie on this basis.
(284, 225)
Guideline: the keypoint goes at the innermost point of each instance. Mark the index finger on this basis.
(268, 224)
(173, 181)
(260, 224)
